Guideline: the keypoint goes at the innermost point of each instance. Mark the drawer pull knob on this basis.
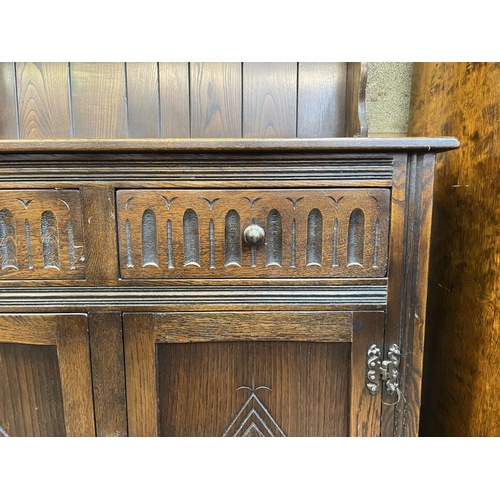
(254, 234)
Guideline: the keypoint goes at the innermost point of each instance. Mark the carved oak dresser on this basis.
(214, 287)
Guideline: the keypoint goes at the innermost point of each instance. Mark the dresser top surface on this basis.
(364, 144)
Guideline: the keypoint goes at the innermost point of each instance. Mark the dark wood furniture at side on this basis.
(214, 287)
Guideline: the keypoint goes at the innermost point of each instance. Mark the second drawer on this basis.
(298, 233)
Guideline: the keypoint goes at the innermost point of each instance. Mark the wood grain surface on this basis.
(365, 410)
(99, 222)
(73, 354)
(108, 373)
(31, 329)
(31, 401)
(215, 99)
(143, 106)
(174, 99)
(242, 146)
(46, 384)
(43, 96)
(411, 213)
(178, 387)
(297, 326)
(461, 390)
(9, 123)
(305, 406)
(327, 232)
(322, 100)
(43, 234)
(305, 394)
(269, 99)
(98, 100)
(140, 369)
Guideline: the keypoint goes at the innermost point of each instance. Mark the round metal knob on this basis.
(254, 235)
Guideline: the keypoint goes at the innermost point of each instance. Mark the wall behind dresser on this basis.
(140, 100)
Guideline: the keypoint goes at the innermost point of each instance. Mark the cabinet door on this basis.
(45, 380)
(251, 373)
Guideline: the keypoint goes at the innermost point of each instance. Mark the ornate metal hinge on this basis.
(383, 370)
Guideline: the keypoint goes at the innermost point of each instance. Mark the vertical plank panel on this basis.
(108, 374)
(321, 100)
(270, 100)
(8, 102)
(365, 407)
(174, 99)
(140, 356)
(98, 100)
(43, 97)
(76, 380)
(30, 391)
(215, 99)
(143, 99)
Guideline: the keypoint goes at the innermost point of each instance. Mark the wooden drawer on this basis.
(41, 234)
(200, 233)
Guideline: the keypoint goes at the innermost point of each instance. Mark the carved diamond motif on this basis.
(253, 418)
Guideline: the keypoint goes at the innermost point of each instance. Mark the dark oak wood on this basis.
(73, 354)
(174, 99)
(253, 389)
(300, 321)
(30, 391)
(255, 325)
(461, 395)
(365, 410)
(270, 100)
(147, 360)
(215, 99)
(321, 99)
(143, 106)
(98, 100)
(239, 146)
(42, 234)
(108, 374)
(99, 222)
(9, 123)
(43, 97)
(140, 363)
(51, 393)
(409, 324)
(303, 311)
(327, 233)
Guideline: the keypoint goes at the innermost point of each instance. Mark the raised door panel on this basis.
(45, 379)
(245, 374)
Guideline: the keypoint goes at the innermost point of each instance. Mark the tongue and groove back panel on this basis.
(172, 100)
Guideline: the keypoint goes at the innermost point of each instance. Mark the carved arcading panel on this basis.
(199, 233)
(41, 234)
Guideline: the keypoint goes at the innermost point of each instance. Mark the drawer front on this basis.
(41, 234)
(200, 233)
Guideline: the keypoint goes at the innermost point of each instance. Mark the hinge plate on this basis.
(387, 370)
